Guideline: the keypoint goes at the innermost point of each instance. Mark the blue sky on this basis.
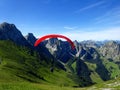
(77, 19)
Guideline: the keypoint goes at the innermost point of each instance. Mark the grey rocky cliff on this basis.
(10, 32)
(62, 51)
(59, 49)
(111, 50)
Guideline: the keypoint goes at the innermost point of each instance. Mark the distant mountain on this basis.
(111, 50)
(91, 43)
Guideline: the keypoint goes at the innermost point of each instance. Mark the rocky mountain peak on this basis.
(30, 34)
(111, 50)
(111, 43)
(10, 32)
(30, 38)
(6, 26)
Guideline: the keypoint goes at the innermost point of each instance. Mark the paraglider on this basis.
(54, 36)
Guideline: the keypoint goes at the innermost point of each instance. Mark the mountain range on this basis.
(89, 63)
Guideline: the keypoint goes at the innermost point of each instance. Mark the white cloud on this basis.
(108, 34)
(70, 28)
(90, 6)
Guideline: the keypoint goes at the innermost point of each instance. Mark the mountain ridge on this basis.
(91, 62)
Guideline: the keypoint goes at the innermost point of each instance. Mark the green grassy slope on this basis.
(112, 67)
(19, 70)
(106, 69)
(18, 66)
(101, 69)
(108, 85)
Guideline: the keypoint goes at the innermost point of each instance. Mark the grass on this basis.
(19, 70)
(34, 86)
(18, 66)
(108, 85)
(112, 68)
(94, 76)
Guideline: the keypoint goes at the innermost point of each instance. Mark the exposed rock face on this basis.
(59, 49)
(10, 32)
(107, 49)
(86, 52)
(111, 50)
(91, 43)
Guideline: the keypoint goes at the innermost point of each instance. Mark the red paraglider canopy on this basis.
(54, 36)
